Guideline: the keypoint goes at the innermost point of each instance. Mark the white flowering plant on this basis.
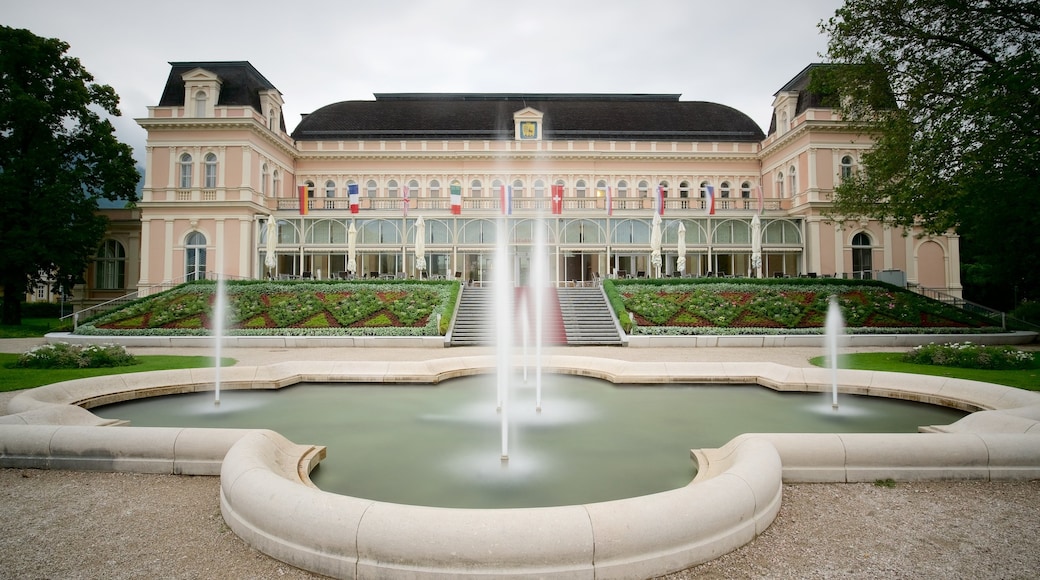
(970, 356)
(63, 355)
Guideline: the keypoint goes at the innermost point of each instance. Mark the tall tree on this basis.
(950, 89)
(58, 157)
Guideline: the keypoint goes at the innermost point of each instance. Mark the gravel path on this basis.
(60, 524)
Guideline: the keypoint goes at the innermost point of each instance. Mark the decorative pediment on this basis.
(201, 92)
(527, 124)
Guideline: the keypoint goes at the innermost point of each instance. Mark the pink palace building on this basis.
(590, 170)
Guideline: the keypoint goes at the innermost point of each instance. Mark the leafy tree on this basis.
(58, 157)
(950, 89)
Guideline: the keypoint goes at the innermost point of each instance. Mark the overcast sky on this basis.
(317, 52)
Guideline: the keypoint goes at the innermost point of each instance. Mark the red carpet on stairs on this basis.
(552, 319)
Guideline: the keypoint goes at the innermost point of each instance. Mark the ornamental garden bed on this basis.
(406, 308)
(706, 306)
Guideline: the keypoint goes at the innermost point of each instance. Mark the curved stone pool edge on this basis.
(734, 497)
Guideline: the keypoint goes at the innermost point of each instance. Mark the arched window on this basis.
(435, 188)
(371, 189)
(330, 188)
(391, 188)
(579, 188)
(110, 266)
(664, 187)
(644, 189)
(263, 180)
(704, 189)
(862, 257)
(724, 190)
(622, 188)
(518, 188)
(780, 184)
(413, 189)
(476, 189)
(276, 183)
(310, 189)
(539, 188)
(846, 167)
(195, 257)
(745, 190)
(200, 104)
(185, 171)
(792, 179)
(684, 189)
(210, 161)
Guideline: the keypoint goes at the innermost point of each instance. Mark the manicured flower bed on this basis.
(407, 308)
(786, 306)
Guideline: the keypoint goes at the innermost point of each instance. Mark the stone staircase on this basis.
(585, 314)
(587, 317)
(473, 318)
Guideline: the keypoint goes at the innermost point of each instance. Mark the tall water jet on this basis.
(835, 327)
(219, 305)
(538, 279)
(503, 290)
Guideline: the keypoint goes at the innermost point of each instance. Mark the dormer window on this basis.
(201, 92)
(200, 104)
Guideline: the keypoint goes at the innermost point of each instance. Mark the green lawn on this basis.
(1028, 379)
(33, 328)
(14, 379)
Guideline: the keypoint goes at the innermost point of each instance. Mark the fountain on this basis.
(266, 498)
(539, 281)
(834, 330)
(382, 440)
(219, 316)
(503, 289)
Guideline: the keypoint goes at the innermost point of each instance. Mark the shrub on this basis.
(970, 356)
(63, 355)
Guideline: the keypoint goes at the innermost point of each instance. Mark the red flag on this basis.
(660, 200)
(405, 202)
(303, 200)
(557, 199)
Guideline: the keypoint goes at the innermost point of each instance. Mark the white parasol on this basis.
(655, 245)
(756, 245)
(680, 263)
(420, 245)
(271, 261)
(352, 249)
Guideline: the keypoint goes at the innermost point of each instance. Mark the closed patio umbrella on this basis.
(352, 249)
(655, 245)
(756, 245)
(680, 264)
(271, 261)
(420, 245)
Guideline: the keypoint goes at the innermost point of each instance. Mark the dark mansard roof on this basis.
(241, 84)
(627, 117)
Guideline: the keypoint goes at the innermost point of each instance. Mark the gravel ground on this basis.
(61, 524)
